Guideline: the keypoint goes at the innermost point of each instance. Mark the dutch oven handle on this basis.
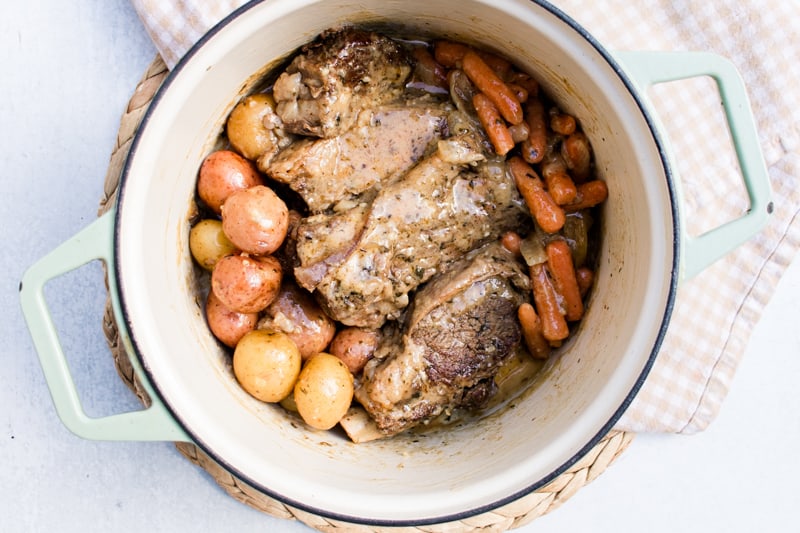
(151, 424)
(652, 68)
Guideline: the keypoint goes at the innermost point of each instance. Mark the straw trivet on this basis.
(510, 516)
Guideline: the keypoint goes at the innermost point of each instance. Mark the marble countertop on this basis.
(68, 70)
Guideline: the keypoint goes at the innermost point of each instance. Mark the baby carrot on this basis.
(492, 86)
(563, 124)
(511, 241)
(533, 149)
(493, 123)
(554, 326)
(433, 73)
(559, 183)
(448, 53)
(545, 211)
(577, 154)
(589, 195)
(532, 332)
(559, 262)
(585, 278)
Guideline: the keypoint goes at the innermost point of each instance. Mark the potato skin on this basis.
(251, 126)
(226, 325)
(324, 391)
(221, 174)
(256, 220)
(266, 364)
(295, 312)
(246, 284)
(208, 243)
(355, 346)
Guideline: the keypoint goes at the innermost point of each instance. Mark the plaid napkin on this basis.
(716, 311)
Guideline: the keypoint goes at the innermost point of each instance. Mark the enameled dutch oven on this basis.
(446, 474)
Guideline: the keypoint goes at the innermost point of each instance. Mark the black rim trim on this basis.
(632, 89)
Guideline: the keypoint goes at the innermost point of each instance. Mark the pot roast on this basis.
(459, 330)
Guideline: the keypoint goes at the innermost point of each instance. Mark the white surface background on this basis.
(68, 70)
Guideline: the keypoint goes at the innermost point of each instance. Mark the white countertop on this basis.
(68, 69)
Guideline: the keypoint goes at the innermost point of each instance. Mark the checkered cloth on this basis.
(716, 311)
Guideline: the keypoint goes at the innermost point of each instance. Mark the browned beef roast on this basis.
(334, 77)
(363, 263)
(459, 330)
(384, 143)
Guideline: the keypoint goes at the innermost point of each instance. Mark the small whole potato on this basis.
(226, 325)
(253, 128)
(221, 174)
(208, 243)
(266, 364)
(246, 284)
(324, 391)
(255, 220)
(295, 312)
(355, 346)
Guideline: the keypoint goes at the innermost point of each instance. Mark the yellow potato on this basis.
(324, 391)
(208, 243)
(266, 364)
(250, 126)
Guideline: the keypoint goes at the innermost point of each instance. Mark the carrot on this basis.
(563, 124)
(429, 70)
(554, 326)
(526, 82)
(545, 211)
(493, 123)
(511, 241)
(559, 183)
(533, 149)
(520, 91)
(492, 86)
(448, 53)
(532, 332)
(589, 195)
(559, 262)
(585, 278)
(577, 154)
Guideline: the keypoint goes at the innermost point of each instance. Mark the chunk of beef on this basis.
(445, 206)
(460, 329)
(337, 75)
(383, 145)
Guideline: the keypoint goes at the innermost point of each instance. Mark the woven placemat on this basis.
(510, 516)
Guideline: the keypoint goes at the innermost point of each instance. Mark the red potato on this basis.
(256, 220)
(226, 325)
(246, 284)
(297, 314)
(355, 346)
(221, 174)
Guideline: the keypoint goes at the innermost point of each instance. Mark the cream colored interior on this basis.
(452, 472)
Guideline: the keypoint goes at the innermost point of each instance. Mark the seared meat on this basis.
(363, 264)
(324, 88)
(382, 146)
(460, 329)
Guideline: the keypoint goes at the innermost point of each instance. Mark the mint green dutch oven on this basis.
(448, 474)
